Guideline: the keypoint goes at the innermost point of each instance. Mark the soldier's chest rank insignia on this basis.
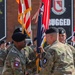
(16, 64)
(45, 62)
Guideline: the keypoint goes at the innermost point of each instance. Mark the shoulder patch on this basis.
(16, 64)
(45, 60)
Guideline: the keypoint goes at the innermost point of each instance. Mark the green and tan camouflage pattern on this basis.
(30, 54)
(15, 63)
(58, 60)
(2, 60)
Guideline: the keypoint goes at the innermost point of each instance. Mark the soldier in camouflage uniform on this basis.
(2, 55)
(58, 58)
(62, 38)
(9, 48)
(29, 53)
(15, 63)
(2, 60)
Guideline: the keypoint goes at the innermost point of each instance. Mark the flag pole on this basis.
(22, 16)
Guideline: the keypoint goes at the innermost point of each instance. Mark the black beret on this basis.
(61, 30)
(19, 30)
(18, 36)
(51, 30)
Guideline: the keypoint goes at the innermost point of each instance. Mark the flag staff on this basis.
(22, 16)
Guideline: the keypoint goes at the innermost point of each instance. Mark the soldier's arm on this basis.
(2, 57)
(48, 62)
(73, 51)
(15, 65)
(72, 48)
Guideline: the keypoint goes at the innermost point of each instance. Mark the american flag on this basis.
(24, 18)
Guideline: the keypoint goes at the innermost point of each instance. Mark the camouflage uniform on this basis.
(3, 54)
(2, 59)
(57, 60)
(47, 47)
(9, 48)
(15, 63)
(29, 53)
(73, 51)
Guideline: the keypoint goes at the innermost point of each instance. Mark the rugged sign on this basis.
(62, 15)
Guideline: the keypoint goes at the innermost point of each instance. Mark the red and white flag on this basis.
(46, 14)
(24, 16)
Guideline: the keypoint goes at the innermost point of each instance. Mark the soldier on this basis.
(58, 58)
(15, 63)
(2, 45)
(62, 39)
(30, 54)
(8, 47)
(62, 35)
(2, 55)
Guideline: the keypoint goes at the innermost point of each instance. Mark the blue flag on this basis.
(39, 33)
(40, 29)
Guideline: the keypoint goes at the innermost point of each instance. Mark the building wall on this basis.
(12, 22)
(12, 15)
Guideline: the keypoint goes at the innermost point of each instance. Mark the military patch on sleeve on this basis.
(16, 64)
(44, 61)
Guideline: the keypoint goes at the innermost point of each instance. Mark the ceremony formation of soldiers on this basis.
(19, 58)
